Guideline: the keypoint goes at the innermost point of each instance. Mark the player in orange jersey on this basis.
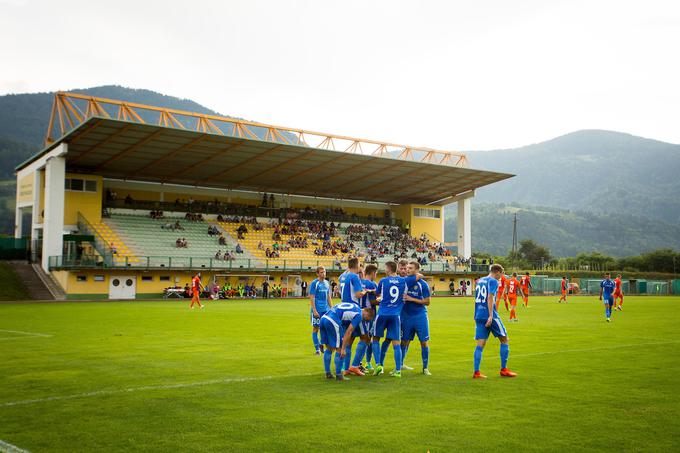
(512, 286)
(618, 293)
(502, 293)
(196, 288)
(525, 284)
(564, 286)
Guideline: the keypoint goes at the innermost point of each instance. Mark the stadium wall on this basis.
(93, 284)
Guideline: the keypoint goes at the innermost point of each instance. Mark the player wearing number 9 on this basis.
(390, 291)
(488, 321)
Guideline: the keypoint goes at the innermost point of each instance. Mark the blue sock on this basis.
(397, 356)
(327, 360)
(383, 351)
(348, 357)
(359, 354)
(369, 353)
(404, 350)
(478, 357)
(315, 340)
(338, 363)
(425, 353)
(505, 352)
(375, 346)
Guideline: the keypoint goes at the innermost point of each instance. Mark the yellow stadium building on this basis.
(114, 180)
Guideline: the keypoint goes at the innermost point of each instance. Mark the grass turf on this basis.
(241, 376)
(13, 288)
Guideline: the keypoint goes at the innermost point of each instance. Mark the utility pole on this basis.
(514, 242)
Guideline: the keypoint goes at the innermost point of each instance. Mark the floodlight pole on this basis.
(514, 242)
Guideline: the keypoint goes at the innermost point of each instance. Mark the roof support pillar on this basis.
(464, 227)
(53, 225)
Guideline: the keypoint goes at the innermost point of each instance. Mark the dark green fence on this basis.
(13, 249)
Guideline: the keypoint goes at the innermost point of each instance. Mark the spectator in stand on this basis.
(218, 255)
(239, 249)
(114, 250)
(265, 289)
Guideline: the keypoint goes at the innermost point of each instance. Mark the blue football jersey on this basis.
(392, 290)
(350, 284)
(607, 287)
(345, 313)
(485, 286)
(419, 290)
(320, 292)
(366, 301)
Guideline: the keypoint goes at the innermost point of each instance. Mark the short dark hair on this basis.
(353, 262)
(391, 265)
(496, 268)
(514, 274)
(415, 263)
(370, 269)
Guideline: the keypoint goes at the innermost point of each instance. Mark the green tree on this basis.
(533, 252)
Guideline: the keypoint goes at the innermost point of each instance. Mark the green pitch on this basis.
(241, 376)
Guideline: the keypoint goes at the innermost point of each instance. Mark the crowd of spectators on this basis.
(181, 243)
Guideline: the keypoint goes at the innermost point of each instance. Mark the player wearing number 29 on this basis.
(488, 321)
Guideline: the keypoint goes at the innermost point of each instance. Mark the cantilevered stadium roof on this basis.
(168, 152)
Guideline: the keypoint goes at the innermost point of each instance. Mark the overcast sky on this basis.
(453, 75)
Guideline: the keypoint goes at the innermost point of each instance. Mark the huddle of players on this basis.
(394, 309)
(508, 289)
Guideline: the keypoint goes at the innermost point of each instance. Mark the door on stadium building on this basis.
(293, 286)
(121, 287)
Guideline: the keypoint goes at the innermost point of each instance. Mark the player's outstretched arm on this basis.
(600, 292)
(346, 340)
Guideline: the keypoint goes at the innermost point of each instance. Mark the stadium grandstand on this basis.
(126, 200)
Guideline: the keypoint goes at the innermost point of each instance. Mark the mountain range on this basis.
(590, 190)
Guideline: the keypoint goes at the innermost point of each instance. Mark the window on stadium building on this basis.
(427, 212)
(147, 278)
(164, 278)
(80, 185)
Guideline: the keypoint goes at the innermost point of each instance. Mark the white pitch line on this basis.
(265, 378)
(9, 448)
(29, 334)
(148, 387)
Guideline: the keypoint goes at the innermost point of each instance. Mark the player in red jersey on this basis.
(618, 293)
(196, 288)
(565, 287)
(525, 284)
(502, 293)
(512, 286)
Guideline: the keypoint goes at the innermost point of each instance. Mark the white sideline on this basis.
(28, 334)
(148, 387)
(9, 448)
(265, 378)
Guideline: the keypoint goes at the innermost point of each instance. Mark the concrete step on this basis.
(37, 288)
